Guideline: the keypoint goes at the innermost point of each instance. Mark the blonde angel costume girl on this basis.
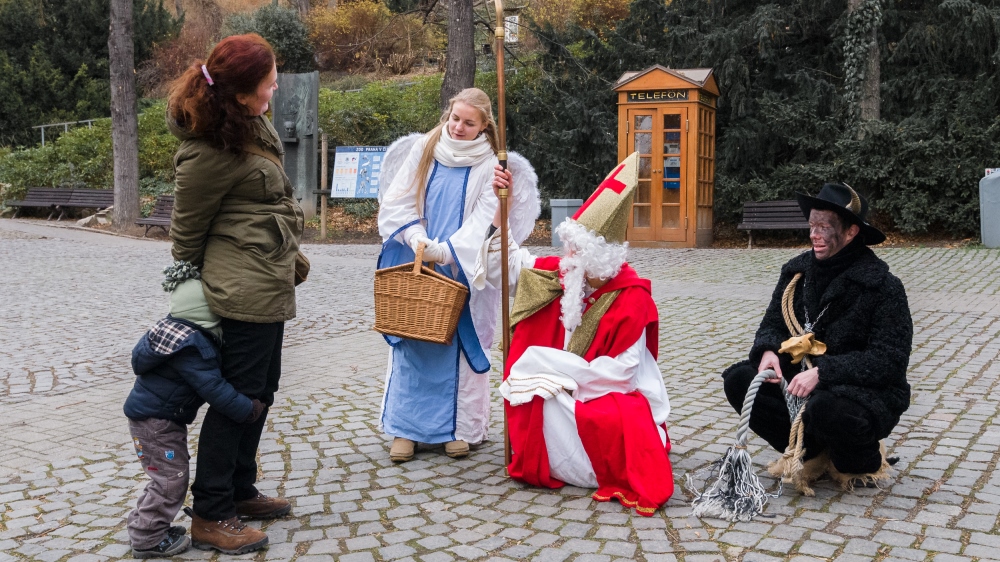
(438, 191)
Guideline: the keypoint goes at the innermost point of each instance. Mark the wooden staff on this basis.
(503, 194)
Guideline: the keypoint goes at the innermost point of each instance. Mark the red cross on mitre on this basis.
(609, 182)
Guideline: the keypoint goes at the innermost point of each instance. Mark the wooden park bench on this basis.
(772, 215)
(160, 217)
(50, 198)
(99, 199)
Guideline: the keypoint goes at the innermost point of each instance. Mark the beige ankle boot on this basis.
(401, 450)
(456, 449)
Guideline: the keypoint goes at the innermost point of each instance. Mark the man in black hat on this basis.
(838, 329)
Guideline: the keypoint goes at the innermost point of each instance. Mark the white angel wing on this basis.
(524, 204)
(393, 160)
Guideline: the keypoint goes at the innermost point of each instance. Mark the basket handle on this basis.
(419, 259)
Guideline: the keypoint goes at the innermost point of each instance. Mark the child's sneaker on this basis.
(173, 544)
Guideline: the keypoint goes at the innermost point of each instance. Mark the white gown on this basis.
(398, 219)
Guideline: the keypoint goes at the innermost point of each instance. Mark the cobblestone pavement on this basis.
(74, 303)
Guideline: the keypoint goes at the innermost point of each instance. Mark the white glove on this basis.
(437, 252)
(418, 239)
(411, 234)
(434, 251)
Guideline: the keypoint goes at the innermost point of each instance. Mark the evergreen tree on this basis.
(55, 60)
(779, 68)
(561, 116)
(940, 114)
(791, 73)
(283, 29)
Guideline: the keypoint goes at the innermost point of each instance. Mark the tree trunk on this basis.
(179, 8)
(303, 7)
(124, 125)
(332, 4)
(460, 61)
(869, 103)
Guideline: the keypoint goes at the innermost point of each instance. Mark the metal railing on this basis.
(65, 126)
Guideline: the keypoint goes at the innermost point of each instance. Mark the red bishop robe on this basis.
(617, 430)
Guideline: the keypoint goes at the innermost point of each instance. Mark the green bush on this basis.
(156, 144)
(149, 189)
(80, 157)
(283, 30)
(361, 209)
(21, 169)
(380, 113)
(83, 157)
(341, 83)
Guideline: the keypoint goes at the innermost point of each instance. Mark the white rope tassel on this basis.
(737, 494)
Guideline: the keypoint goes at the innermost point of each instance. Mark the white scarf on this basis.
(458, 153)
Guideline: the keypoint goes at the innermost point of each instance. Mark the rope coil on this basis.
(744, 424)
(788, 311)
(790, 463)
(737, 493)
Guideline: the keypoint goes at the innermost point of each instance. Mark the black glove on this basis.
(258, 409)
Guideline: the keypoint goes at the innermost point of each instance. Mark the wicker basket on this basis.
(416, 302)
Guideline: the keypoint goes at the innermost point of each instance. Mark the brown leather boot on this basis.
(262, 507)
(229, 536)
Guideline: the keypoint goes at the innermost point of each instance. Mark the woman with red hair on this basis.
(235, 220)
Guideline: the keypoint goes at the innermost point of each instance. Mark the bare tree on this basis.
(303, 7)
(869, 97)
(124, 121)
(427, 9)
(460, 62)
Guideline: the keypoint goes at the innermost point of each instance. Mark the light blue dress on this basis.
(421, 400)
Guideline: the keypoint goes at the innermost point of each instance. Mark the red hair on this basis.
(237, 65)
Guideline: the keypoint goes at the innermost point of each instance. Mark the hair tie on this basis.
(204, 70)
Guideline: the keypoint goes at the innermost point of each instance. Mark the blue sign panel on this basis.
(356, 171)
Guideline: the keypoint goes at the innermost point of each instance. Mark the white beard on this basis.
(586, 255)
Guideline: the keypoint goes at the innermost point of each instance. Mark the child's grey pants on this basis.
(161, 446)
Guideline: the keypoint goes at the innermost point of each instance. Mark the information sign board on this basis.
(356, 171)
(511, 25)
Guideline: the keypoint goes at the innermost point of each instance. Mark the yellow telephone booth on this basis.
(668, 116)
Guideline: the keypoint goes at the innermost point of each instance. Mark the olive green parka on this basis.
(234, 216)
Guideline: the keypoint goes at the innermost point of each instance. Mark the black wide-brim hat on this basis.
(843, 200)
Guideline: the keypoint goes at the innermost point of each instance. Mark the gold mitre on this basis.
(606, 212)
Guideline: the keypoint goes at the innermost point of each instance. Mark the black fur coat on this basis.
(867, 329)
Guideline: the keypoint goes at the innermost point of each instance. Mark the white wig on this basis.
(585, 255)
